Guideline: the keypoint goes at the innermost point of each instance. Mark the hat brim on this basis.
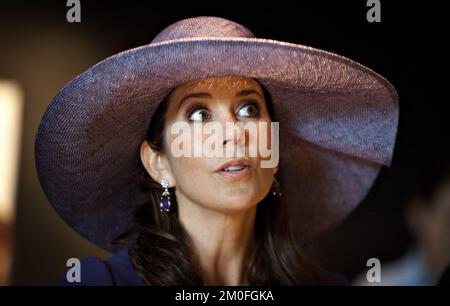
(338, 123)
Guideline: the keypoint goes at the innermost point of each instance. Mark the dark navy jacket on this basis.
(117, 270)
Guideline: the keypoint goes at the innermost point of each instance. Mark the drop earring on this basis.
(164, 204)
(276, 190)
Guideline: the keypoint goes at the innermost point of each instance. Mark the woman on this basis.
(108, 156)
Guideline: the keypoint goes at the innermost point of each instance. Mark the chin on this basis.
(238, 203)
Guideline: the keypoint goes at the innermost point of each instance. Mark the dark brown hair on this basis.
(162, 252)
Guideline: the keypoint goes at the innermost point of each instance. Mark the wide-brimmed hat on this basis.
(338, 123)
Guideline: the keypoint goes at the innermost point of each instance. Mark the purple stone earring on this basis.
(164, 205)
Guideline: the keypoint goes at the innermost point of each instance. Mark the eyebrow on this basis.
(242, 93)
(247, 92)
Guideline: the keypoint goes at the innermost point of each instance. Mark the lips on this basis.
(234, 165)
(238, 169)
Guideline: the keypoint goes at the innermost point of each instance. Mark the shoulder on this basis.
(329, 278)
(116, 270)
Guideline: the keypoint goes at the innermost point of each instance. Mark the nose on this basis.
(234, 131)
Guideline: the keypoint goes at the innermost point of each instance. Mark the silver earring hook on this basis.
(276, 189)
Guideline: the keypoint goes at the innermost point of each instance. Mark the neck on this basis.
(220, 239)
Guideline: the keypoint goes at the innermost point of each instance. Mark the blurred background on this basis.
(40, 51)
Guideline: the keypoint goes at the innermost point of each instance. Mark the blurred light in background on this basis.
(11, 103)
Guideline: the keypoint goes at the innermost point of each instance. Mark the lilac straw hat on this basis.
(338, 123)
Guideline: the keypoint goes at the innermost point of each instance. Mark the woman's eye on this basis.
(198, 114)
(249, 110)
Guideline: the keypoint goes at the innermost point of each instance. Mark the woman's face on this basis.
(202, 180)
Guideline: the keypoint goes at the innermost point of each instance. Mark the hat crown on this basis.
(203, 27)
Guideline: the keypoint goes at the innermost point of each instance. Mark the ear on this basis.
(156, 164)
(415, 215)
(275, 170)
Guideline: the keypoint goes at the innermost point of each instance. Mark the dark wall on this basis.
(42, 51)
